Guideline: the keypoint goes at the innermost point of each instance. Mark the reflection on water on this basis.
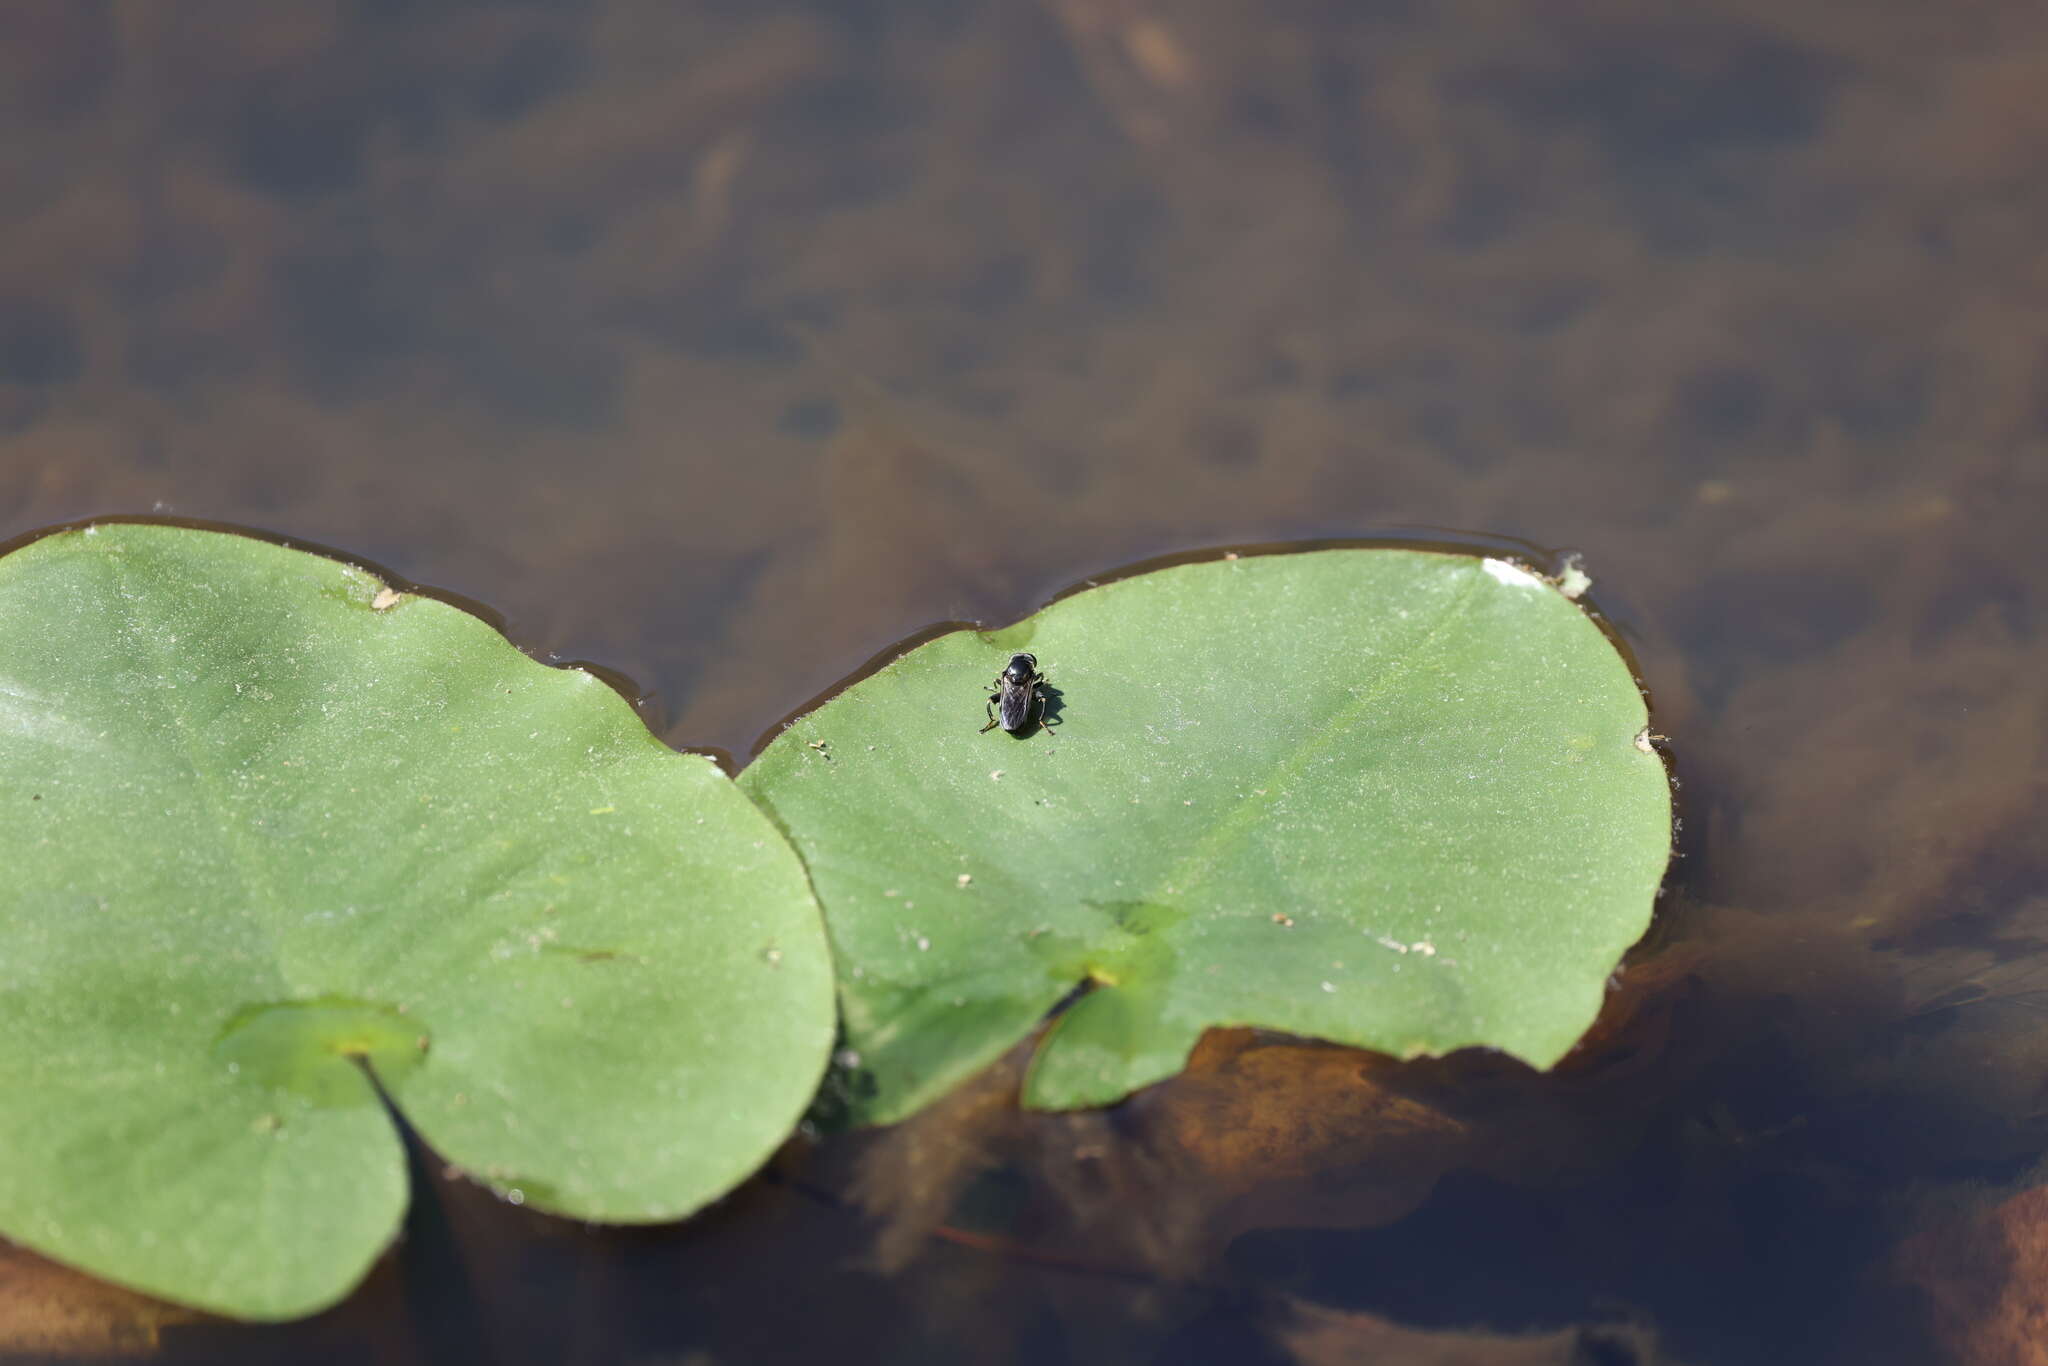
(723, 344)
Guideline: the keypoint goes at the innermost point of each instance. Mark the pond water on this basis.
(723, 344)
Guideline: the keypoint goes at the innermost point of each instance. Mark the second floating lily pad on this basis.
(1384, 797)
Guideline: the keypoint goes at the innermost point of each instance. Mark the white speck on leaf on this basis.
(1511, 574)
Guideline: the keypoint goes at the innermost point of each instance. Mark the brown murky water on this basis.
(723, 343)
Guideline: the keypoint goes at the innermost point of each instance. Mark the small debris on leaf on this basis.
(1572, 579)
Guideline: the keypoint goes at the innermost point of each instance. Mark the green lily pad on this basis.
(1383, 797)
(271, 828)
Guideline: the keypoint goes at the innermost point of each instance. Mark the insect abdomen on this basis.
(1016, 708)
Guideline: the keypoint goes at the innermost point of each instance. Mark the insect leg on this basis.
(991, 704)
(1045, 722)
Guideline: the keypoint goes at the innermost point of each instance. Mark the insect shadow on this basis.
(1050, 704)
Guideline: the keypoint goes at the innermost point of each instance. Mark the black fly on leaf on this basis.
(1017, 688)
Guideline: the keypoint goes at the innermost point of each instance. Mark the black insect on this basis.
(1017, 687)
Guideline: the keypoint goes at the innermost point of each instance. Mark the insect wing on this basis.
(1015, 705)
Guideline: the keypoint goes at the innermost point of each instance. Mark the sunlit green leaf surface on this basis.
(1384, 797)
(265, 821)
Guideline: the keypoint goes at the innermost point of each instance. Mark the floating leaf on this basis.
(1383, 797)
(271, 828)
